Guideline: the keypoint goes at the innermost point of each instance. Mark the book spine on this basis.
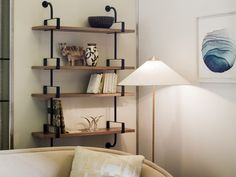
(97, 83)
(101, 84)
(91, 84)
(62, 122)
(115, 77)
(110, 82)
(105, 83)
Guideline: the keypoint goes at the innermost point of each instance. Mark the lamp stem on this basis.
(153, 121)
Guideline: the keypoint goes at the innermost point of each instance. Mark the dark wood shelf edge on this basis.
(103, 131)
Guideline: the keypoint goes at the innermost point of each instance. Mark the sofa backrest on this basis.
(55, 162)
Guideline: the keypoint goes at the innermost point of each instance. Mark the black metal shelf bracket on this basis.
(108, 9)
(108, 125)
(109, 145)
(122, 62)
(58, 63)
(51, 22)
(47, 128)
(56, 88)
(108, 63)
(122, 90)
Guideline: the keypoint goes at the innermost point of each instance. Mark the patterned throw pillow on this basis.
(88, 163)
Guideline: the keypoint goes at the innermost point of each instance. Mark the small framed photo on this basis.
(217, 48)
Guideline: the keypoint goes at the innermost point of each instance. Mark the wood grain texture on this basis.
(81, 29)
(68, 95)
(101, 131)
(88, 68)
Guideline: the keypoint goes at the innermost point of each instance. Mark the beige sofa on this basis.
(55, 162)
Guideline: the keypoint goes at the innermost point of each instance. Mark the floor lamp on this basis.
(153, 73)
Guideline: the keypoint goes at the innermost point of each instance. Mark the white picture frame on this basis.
(217, 48)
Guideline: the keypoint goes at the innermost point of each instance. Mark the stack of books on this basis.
(57, 124)
(102, 83)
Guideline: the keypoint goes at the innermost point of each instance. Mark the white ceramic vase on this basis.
(91, 55)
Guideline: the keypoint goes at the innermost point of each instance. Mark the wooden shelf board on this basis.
(97, 68)
(66, 95)
(101, 131)
(80, 29)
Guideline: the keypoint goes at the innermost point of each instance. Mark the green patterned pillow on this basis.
(88, 163)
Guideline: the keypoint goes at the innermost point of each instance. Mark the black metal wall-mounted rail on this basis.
(46, 4)
(108, 144)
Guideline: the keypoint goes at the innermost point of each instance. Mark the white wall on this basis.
(195, 124)
(29, 49)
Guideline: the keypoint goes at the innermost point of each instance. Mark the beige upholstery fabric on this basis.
(54, 162)
(89, 163)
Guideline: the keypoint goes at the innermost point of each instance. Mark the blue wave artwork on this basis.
(218, 51)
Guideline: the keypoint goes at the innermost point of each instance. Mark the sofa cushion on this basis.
(36, 163)
(89, 163)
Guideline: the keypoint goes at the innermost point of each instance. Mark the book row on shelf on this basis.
(102, 83)
(98, 83)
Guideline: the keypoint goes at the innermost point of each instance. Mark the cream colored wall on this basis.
(195, 124)
(31, 46)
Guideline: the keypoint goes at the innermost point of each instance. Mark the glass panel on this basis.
(4, 73)
(4, 138)
(4, 80)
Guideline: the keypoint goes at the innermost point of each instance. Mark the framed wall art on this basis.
(217, 48)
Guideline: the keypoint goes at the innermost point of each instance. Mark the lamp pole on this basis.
(153, 121)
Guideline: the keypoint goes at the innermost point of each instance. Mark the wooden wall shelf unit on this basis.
(101, 131)
(109, 67)
(87, 68)
(81, 29)
(68, 95)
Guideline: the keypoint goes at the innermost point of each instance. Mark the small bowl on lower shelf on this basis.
(100, 21)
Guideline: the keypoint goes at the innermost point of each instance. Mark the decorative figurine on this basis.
(73, 53)
(92, 124)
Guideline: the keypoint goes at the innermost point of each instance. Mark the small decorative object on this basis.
(217, 48)
(95, 122)
(101, 21)
(92, 122)
(73, 53)
(91, 55)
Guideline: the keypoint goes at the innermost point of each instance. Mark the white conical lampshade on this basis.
(154, 72)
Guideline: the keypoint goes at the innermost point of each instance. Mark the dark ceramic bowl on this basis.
(101, 21)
